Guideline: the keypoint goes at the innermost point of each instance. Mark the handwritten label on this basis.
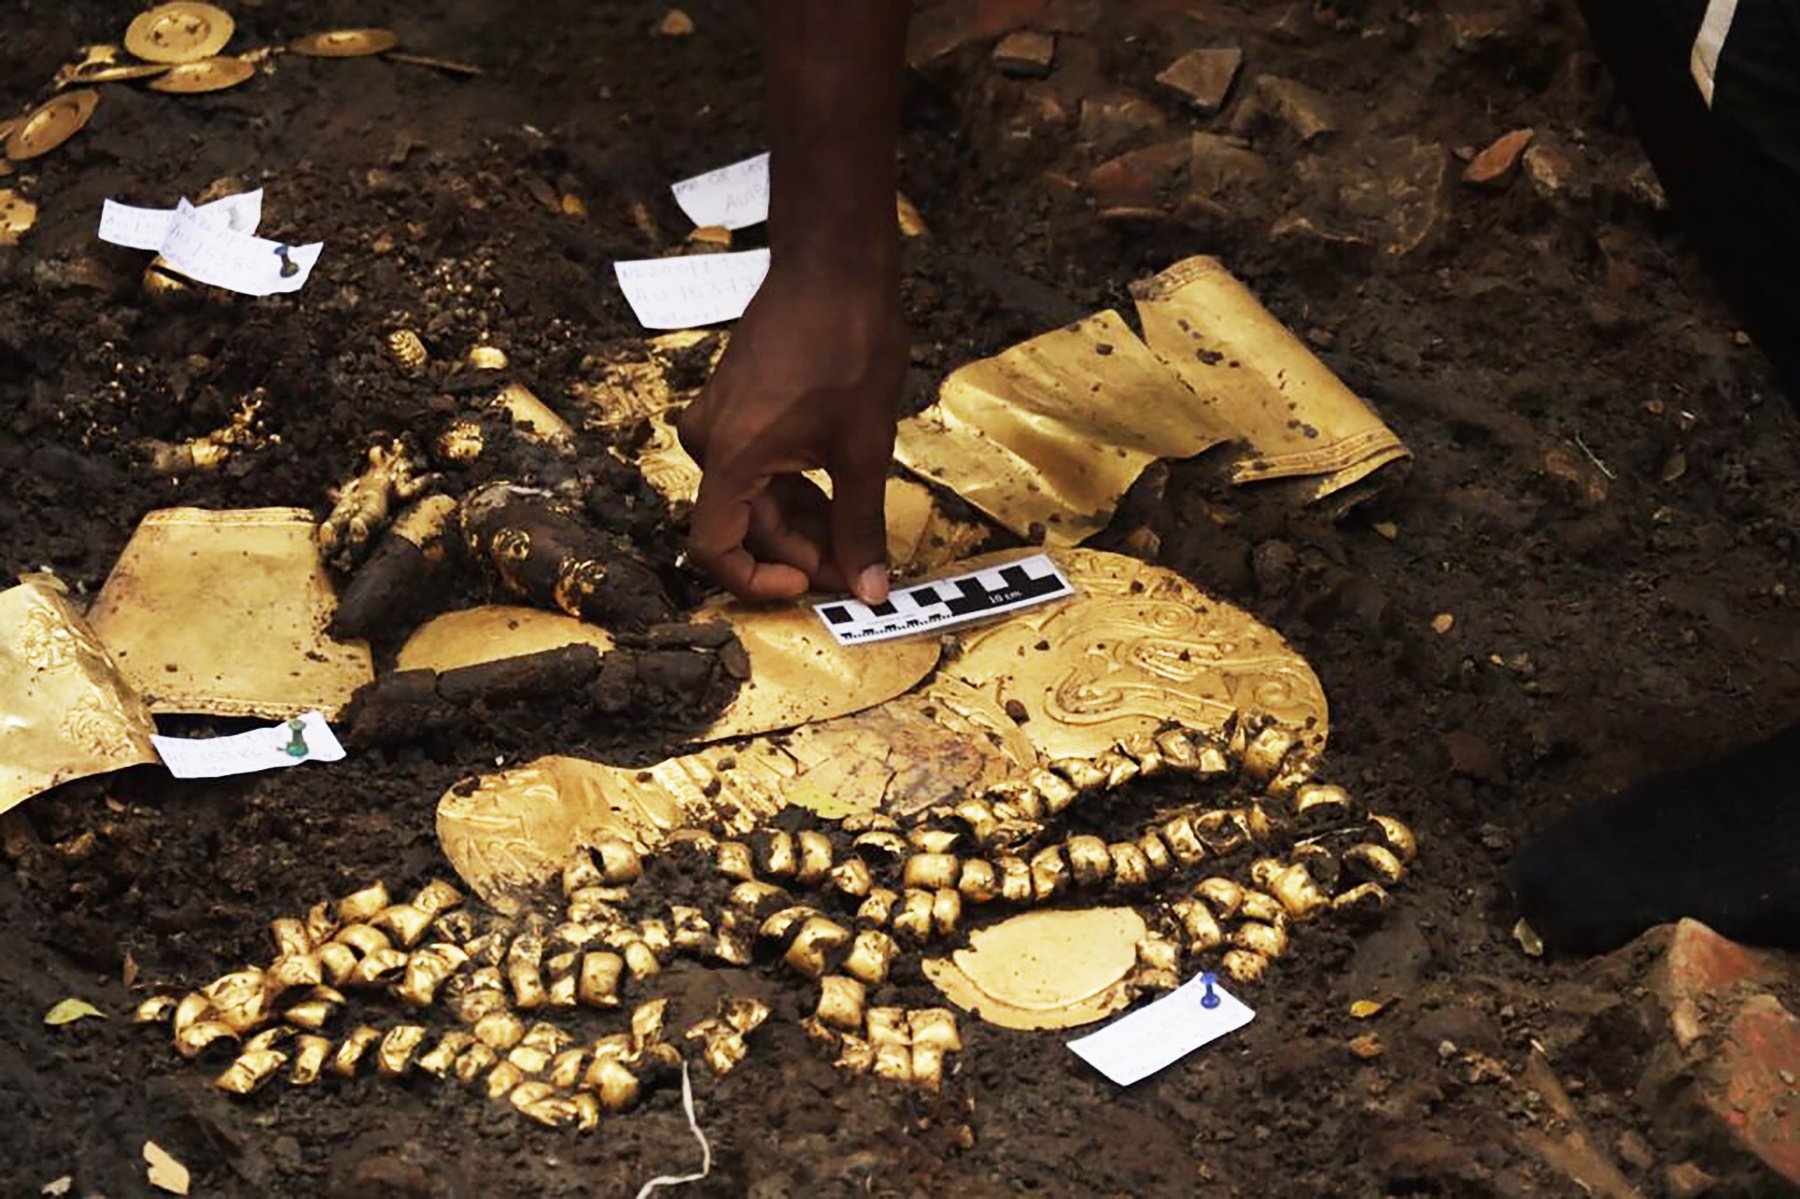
(247, 753)
(923, 608)
(736, 196)
(698, 289)
(148, 228)
(1137, 1045)
(253, 266)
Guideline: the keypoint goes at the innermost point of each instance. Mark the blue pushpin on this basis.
(1209, 1000)
(296, 748)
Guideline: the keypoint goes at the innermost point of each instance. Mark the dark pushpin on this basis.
(1210, 999)
(296, 748)
(289, 268)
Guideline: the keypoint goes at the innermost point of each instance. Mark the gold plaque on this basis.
(1055, 969)
(17, 216)
(1137, 648)
(492, 633)
(225, 613)
(1261, 381)
(65, 710)
(180, 32)
(207, 75)
(345, 43)
(1047, 436)
(51, 124)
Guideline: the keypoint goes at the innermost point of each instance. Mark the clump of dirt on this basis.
(1603, 500)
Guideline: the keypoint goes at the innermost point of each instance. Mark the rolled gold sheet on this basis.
(1044, 969)
(493, 632)
(225, 613)
(1137, 648)
(66, 712)
(1045, 437)
(1258, 379)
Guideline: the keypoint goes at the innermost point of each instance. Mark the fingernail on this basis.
(872, 585)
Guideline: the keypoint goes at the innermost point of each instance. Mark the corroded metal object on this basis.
(51, 124)
(224, 612)
(180, 32)
(67, 711)
(494, 632)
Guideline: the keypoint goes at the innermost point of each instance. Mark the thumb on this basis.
(859, 531)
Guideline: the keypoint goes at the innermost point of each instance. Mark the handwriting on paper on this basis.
(1138, 1044)
(693, 290)
(270, 748)
(736, 196)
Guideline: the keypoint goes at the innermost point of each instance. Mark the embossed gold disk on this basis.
(207, 75)
(225, 613)
(494, 632)
(65, 711)
(345, 43)
(17, 216)
(1044, 969)
(180, 32)
(1137, 648)
(120, 72)
(51, 124)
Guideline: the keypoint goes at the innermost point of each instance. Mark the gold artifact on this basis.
(406, 349)
(494, 632)
(207, 75)
(17, 216)
(123, 72)
(486, 358)
(51, 124)
(181, 32)
(363, 504)
(448, 65)
(225, 613)
(911, 223)
(534, 417)
(1045, 969)
(1261, 381)
(68, 712)
(345, 43)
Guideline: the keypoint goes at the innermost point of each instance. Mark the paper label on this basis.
(252, 266)
(736, 196)
(247, 753)
(148, 228)
(695, 290)
(1138, 1044)
(922, 608)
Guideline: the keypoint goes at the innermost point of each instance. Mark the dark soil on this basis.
(1603, 497)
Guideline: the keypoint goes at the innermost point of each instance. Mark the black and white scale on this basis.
(922, 608)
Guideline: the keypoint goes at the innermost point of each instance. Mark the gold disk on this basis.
(489, 634)
(345, 43)
(51, 124)
(180, 32)
(210, 75)
(1044, 969)
(119, 72)
(17, 216)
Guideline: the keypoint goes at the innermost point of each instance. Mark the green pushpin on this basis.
(297, 747)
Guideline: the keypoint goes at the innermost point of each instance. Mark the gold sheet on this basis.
(492, 632)
(1047, 436)
(65, 711)
(1261, 381)
(225, 613)
(1044, 969)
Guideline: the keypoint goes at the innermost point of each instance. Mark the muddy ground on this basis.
(1603, 498)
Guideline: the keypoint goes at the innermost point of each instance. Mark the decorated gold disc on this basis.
(17, 216)
(494, 632)
(1044, 969)
(65, 711)
(122, 72)
(1138, 648)
(345, 43)
(209, 75)
(180, 32)
(51, 124)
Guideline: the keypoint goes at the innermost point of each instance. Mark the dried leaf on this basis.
(70, 1010)
(166, 1174)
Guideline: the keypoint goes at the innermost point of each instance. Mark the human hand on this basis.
(810, 380)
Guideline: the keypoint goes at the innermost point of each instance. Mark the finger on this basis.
(859, 530)
(791, 523)
(716, 533)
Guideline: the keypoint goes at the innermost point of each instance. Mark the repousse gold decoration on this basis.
(181, 32)
(345, 43)
(51, 124)
(224, 612)
(66, 712)
(493, 632)
(1044, 969)
(207, 75)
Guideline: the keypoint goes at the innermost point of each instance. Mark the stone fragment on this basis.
(1138, 178)
(1493, 167)
(1221, 176)
(1553, 172)
(1117, 120)
(1306, 112)
(1204, 77)
(1026, 53)
(1685, 1180)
